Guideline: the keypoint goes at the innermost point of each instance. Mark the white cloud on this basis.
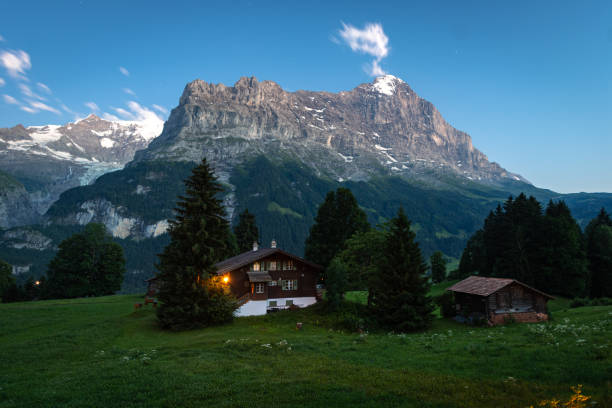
(28, 109)
(2, 82)
(371, 40)
(16, 63)
(124, 71)
(160, 109)
(122, 112)
(10, 100)
(45, 107)
(26, 91)
(66, 109)
(92, 106)
(149, 122)
(110, 117)
(129, 91)
(44, 88)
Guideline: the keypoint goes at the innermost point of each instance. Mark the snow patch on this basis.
(386, 84)
(379, 147)
(347, 159)
(107, 143)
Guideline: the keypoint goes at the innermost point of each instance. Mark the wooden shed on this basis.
(498, 300)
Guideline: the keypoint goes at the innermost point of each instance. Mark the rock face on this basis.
(381, 127)
(50, 159)
(15, 205)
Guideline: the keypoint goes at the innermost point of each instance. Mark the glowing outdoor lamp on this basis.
(37, 283)
(225, 279)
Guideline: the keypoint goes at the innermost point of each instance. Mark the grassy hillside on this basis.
(100, 353)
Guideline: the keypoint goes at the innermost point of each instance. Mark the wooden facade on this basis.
(499, 300)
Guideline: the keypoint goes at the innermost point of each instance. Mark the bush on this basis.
(446, 302)
(580, 302)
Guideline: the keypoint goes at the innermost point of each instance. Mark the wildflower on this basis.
(267, 345)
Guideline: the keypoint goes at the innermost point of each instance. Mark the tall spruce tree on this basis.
(564, 270)
(87, 264)
(246, 231)
(6, 277)
(599, 253)
(438, 267)
(191, 293)
(338, 218)
(399, 291)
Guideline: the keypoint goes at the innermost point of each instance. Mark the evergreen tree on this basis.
(399, 291)
(338, 218)
(361, 256)
(336, 283)
(599, 254)
(87, 264)
(438, 267)
(473, 258)
(246, 231)
(564, 270)
(191, 293)
(7, 279)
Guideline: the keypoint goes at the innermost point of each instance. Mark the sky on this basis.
(530, 81)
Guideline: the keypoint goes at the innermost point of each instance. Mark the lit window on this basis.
(272, 266)
(256, 266)
(288, 265)
(259, 288)
(290, 284)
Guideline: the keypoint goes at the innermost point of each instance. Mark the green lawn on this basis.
(100, 353)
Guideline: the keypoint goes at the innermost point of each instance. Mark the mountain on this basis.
(278, 153)
(375, 129)
(50, 159)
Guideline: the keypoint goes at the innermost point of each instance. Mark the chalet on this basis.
(268, 279)
(499, 300)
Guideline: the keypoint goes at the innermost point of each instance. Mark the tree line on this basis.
(543, 248)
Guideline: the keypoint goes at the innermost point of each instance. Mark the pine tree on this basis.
(246, 231)
(338, 218)
(7, 279)
(599, 253)
(87, 264)
(438, 267)
(564, 271)
(191, 293)
(399, 291)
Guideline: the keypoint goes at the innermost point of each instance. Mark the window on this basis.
(288, 265)
(256, 266)
(288, 302)
(272, 266)
(273, 303)
(290, 284)
(259, 288)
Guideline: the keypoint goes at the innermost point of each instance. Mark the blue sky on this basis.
(530, 81)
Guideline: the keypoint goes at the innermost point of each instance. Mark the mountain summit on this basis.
(382, 127)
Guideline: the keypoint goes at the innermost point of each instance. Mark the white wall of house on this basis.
(298, 301)
(252, 308)
(260, 307)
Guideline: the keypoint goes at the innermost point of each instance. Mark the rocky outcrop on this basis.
(15, 205)
(116, 219)
(381, 127)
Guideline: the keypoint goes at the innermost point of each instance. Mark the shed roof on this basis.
(246, 258)
(483, 286)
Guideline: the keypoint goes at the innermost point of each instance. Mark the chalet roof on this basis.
(246, 258)
(483, 286)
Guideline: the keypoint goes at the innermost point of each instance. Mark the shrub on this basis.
(446, 302)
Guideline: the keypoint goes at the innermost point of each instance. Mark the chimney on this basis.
(255, 246)
(273, 244)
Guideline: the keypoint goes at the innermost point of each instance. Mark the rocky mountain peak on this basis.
(382, 124)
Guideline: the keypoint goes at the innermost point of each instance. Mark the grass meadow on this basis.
(99, 352)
